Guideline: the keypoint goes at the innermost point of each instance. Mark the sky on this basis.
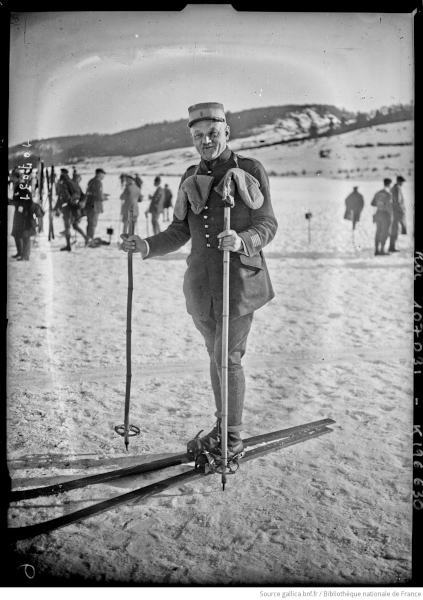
(103, 72)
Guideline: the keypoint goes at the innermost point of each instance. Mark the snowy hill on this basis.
(366, 153)
(255, 127)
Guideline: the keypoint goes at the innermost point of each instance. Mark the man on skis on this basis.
(198, 215)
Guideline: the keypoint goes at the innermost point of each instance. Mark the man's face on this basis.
(210, 138)
(100, 176)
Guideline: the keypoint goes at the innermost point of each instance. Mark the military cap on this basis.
(212, 111)
(65, 171)
(100, 171)
(400, 178)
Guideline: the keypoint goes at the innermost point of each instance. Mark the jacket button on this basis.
(206, 207)
(205, 216)
(207, 235)
(208, 245)
(206, 226)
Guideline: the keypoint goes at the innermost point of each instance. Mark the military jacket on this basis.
(26, 213)
(94, 196)
(397, 200)
(130, 196)
(249, 281)
(383, 202)
(157, 201)
(354, 202)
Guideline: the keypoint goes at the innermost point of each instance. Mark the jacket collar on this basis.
(212, 164)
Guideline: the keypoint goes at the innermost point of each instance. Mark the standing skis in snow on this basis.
(199, 216)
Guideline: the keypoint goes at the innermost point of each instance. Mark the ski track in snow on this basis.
(336, 342)
(172, 369)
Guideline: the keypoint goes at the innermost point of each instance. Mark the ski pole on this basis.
(146, 216)
(308, 216)
(50, 206)
(126, 429)
(225, 335)
(129, 332)
(119, 218)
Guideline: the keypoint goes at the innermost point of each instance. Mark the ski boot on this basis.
(209, 442)
(206, 451)
(235, 444)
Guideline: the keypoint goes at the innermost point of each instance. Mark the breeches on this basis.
(399, 219)
(211, 330)
(383, 225)
(69, 219)
(23, 245)
(155, 222)
(92, 218)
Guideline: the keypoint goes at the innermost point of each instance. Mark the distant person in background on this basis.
(156, 205)
(383, 216)
(353, 206)
(24, 220)
(398, 206)
(53, 179)
(75, 175)
(15, 177)
(68, 204)
(122, 179)
(94, 204)
(34, 180)
(138, 180)
(80, 212)
(130, 197)
(168, 204)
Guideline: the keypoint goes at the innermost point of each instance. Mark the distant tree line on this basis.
(156, 137)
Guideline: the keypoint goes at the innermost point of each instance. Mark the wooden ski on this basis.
(262, 445)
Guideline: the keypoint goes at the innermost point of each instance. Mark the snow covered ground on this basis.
(335, 342)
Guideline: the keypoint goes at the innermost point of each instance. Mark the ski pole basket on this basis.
(132, 430)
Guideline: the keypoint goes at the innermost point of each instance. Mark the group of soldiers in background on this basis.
(74, 204)
(389, 216)
(160, 200)
(71, 202)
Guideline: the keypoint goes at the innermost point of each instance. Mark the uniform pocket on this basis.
(252, 261)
